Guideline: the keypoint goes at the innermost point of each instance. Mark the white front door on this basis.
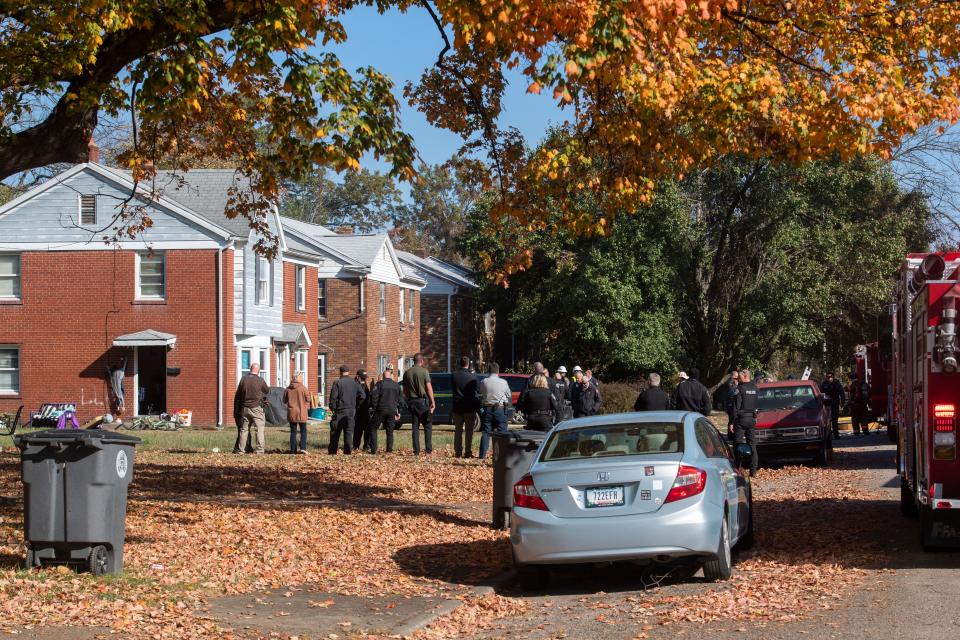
(322, 376)
(283, 366)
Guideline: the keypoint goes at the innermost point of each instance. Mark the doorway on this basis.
(151, 380)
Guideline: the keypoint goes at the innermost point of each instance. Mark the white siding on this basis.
(239, 308)
(383, 269)
(261, 319)
(51, 216)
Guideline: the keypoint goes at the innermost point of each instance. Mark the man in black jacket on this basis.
(746, 425)
(585, 398)
(653, 398)
(385, 401)
(344, 397)
(466, 409)
(833, 397)
(691, 395)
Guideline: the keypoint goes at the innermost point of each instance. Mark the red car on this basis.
(793, 422)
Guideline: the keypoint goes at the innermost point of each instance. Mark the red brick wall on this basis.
(357, 340)
(466, 331)
(342, 334)
(433, 330)
(74, 305)
(306, 317)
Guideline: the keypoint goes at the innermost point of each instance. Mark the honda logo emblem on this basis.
(603, 476)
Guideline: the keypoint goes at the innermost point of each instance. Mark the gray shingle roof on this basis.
(364, 249)
(437, 268)
(308, 228)
(206, 192)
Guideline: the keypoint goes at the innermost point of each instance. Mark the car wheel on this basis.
(720, 567)
(908, 504)
(822, 457)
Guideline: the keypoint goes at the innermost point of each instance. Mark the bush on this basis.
(618, 397)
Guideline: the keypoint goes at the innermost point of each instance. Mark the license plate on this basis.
(604, 497)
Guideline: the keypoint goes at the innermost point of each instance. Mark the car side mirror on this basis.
(742, 451)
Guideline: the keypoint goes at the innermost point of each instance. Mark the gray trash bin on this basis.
(75, 497)
(513, 453)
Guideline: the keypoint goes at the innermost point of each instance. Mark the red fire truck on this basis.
(926, 385)
(871, 366)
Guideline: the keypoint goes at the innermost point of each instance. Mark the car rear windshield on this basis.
(777, 398)
(614, 440)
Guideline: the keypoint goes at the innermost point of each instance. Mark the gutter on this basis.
(449, 337)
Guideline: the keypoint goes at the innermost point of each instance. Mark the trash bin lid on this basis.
(75, 436)
(522, 435)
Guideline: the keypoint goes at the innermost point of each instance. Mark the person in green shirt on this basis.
(418, 390)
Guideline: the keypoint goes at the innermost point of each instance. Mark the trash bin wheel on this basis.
(98, 562)
(31, 562)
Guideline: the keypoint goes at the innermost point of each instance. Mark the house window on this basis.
(382, 360)
(262, 279)
(10, 276)
(410, 308)
(301, 288)
(321, 374)
(249, 356)
(322, 298)
(402, 294)
(301, 362)
(363, 303)
(9, 370)
(151, 276)
(488, 322)
(383, 301)
(88, 210)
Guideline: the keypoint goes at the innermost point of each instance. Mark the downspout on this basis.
(220, 336)
(449, 339)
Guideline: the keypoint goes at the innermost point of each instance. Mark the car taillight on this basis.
(690, 481)
(943, 417)
(525, 495)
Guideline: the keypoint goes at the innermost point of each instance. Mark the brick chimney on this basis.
(421, 253)
(93, 151)
(345, 230)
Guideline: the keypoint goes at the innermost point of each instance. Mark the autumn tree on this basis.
(657, 88)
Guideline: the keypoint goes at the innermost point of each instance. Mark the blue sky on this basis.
(402, 45)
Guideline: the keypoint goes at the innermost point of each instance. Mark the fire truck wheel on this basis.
(908, 504)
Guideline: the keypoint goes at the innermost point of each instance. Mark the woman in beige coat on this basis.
(297, 399)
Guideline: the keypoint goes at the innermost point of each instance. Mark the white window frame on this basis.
(16, 277)
(261, 276)
(382, 361)
(363, 300)
(411, 307)
(322, 375)
(283, 365)
(403, 292)
(12, 391)
(322, 289)
(301, 285)
(257, 354)
(301, 362)
(163, 257)
(383, 302)
(80, 200)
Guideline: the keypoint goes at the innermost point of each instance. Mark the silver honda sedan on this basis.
(651, 486)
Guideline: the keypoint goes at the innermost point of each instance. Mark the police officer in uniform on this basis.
(834, 398)
(745, 428)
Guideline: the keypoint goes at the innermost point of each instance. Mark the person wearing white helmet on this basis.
(561, 385)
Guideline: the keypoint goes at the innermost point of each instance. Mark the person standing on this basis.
(833, 398)
(730, 402)
(297, 399)
(691, 395)
(418, 390)
(251, 393)
(562, 388)
(361, 429)
(746, 425)
(495, 397)
(385, 406)
(585, 397)
(538, 404)
(653, 398)
(466, 407)
(344, 397)
(859, 405)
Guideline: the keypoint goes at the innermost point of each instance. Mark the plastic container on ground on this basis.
(75, 497)
(185, 417)
(513, 454)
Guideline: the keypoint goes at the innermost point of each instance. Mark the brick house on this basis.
(451, 325)
(188, 305)
(368, 303)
